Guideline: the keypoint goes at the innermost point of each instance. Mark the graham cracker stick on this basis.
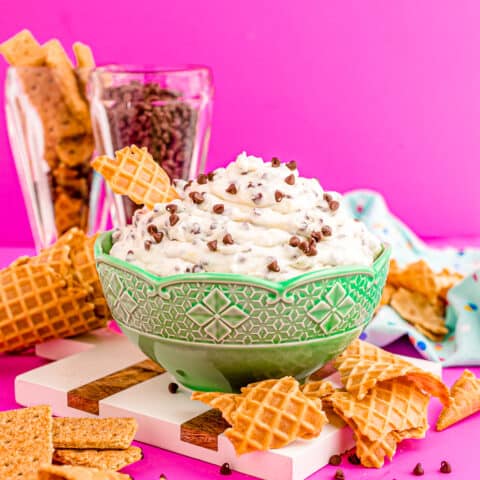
(93, 433)
(101, 459)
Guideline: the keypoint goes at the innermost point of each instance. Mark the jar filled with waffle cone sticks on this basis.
(50, 132)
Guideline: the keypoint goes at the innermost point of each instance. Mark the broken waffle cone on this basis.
(318, 389)
(36, 304)
(393, 405)
(465, 393)
(227, 403)
(135, 174)
(273, 414)
(416, 309)
(363, 365)
(372, 453)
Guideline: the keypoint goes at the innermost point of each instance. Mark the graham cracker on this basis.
(75, 151)
(57, 59)
(25, 442)
(93, 433)
(23, 50)
(101, 459)
(55, 472)
(83, 55)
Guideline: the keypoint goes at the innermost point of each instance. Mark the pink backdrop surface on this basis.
(376, 94)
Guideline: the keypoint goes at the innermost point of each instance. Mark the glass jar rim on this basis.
(129, 69)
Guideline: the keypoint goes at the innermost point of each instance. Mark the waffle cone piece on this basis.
(267, 414)
(394, 410)
(363, 365)
(37, 304)
(135, 174)
(225, 402)
(318, 389)
(272, 414)
(465, 393)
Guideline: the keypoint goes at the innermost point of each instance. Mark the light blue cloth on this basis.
(462, 344)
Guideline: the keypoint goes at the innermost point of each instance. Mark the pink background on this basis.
(375, 94)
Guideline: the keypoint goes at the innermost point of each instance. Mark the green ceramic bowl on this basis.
(219, 331)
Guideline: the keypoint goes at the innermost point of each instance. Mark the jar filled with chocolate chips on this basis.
(166, 110)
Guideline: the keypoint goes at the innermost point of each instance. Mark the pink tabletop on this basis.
(454, 445)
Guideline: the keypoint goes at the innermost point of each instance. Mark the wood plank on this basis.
(204, 429)
(88, 396)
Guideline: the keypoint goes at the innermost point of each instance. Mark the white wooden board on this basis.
(163, 418)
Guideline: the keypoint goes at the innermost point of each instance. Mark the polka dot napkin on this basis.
(462, 345)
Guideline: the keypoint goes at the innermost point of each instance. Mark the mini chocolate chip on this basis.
(326, 231)
(279, 195)
(212, 245)
(327, 197)
(333, 205)
(187, 185)
(294, 241)
(335, 460)
(196, 197)
(339, 475)
(157, 236)
(210, 176)
(311, 252)
(195, 229)
(172, 387)
(228, 239)
(151, 229)
(292, 165)
(232, 189)
(317, 236)
(418, 470)
(275, 162)
(290, 179)
(225, 469)
(202, 179)
(353, 459)
(250, 185)
(197, 268)
(256, 199)
(303, 246)
(445, 467)
(147, 245)
(174, 218)
(171, 208)
(218, 208)
(273, 266)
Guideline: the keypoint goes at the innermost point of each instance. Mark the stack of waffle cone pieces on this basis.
(134, 173)
(465, 394)
(52, 295)
(267, 414)
(384, 400)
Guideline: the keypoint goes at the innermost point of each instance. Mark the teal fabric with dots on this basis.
(462, 345)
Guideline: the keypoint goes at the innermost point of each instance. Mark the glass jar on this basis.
(52, 149)
(167, 110)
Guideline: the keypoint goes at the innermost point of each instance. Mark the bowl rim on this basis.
(103, 243)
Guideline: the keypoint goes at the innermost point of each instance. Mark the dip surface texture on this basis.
(252, 218)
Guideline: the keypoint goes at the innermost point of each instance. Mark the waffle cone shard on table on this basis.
(134, 173)
(363, 365)
(272, 414)
(393, 405)
(465, 393)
